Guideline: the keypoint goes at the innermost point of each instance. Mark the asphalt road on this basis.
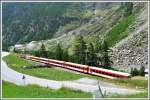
(83, 84)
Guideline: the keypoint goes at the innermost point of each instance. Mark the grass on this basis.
(129, 83)
(16, 63)
(139, 83)
(118, 32)
(136, 95)
(10, 90)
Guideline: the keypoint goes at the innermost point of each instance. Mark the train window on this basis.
(107, 73)
(92, 70)
(114, 75)
(110, 74)
(118, 76)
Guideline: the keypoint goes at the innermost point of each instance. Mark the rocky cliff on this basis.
(132, 51)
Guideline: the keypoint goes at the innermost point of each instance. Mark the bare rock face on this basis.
(132, 53)
(133, 50)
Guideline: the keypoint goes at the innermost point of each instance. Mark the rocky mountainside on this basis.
(132, 51)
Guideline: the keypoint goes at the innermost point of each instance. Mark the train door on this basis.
(88, 69)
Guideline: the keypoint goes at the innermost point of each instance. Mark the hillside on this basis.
(126, 36)
(132, 51)
(26, 22)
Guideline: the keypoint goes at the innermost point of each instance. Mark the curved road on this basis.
(83, 84)
(16, 77)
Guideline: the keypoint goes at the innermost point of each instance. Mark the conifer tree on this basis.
(105, 57)
(42, 51)
(59, 52)
(128, 7)
(142, 71)
(79, 55)
(65, 55)
(91, 57)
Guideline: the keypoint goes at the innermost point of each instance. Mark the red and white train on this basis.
(78, 67)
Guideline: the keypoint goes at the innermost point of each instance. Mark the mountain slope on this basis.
(127, 36)
(26, 22)
(132, 51)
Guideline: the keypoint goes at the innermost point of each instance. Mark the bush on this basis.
(142, 71)
(135, 72)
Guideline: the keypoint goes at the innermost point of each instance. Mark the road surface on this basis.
(83, 84)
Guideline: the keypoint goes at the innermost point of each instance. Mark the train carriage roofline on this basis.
(107, 70)
(77, 64)
(47, 59)
(64, 62)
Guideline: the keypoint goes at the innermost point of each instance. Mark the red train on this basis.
(78, 67)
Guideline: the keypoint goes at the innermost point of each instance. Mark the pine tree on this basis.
(105, 57)
(91, 57)
(65, 55)
(42, 51)
(37, 53)
(135, 72)
(142, 71)
(128, 7)
(79, 49)
(51, 55)
(59, 52)
(98, 52)
(82, 51)
(131, 72)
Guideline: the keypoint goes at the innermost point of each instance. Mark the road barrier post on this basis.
(100, 90)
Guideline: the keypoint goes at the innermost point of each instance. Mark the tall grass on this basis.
(135, 95)
(10, 90)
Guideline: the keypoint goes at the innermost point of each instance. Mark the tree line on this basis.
(82, 53)
(92, 54)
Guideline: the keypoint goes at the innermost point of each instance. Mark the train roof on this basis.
(63, 62)
(47, 59)
(76, 64)
(108, 70)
